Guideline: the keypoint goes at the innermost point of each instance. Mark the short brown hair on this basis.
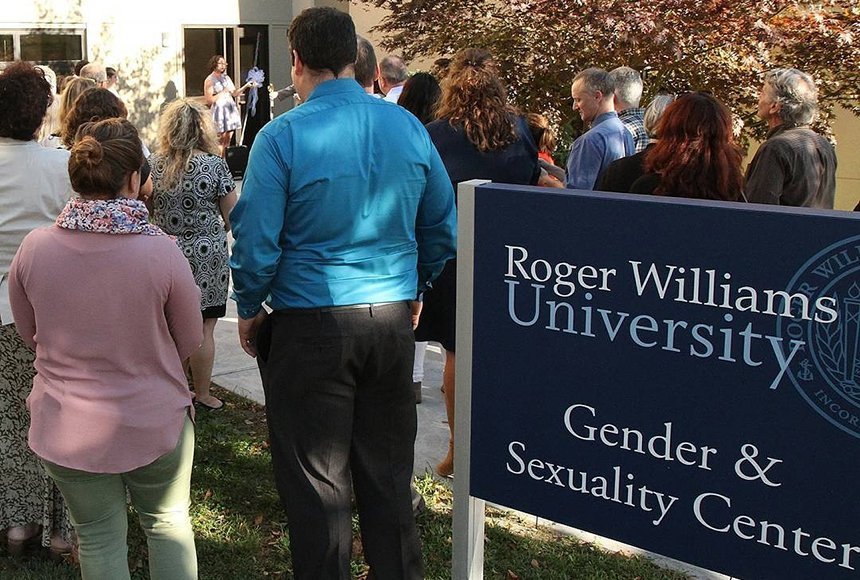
(365, 63)
(213, 62)
(104, 155)
(324, 38)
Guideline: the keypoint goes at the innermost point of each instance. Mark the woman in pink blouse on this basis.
(109, 304)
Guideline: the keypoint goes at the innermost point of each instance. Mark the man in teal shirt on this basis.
(341, 222)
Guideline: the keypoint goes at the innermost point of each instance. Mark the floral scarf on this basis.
(107, 216)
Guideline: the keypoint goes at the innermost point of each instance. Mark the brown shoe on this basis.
(416, 386)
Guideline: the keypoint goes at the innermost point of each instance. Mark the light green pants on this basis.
(160, 492)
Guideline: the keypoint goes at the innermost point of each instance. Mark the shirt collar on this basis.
(780, 128)
(335, 87)
(636, 112)
(603, 117)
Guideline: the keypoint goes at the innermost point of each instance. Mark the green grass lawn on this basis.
(241, 529)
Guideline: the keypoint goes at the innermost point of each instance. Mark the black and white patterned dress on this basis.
(190, 211)
(29, 495)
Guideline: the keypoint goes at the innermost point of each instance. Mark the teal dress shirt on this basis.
(345, 201)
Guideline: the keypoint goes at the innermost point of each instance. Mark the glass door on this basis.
(201, 44)
(240, 45)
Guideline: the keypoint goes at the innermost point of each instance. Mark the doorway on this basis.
(240, 45)
(201, 44)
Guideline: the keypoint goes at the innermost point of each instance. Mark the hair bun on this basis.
(88, 152)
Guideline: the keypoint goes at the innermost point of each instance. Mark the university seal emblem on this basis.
(826, 371)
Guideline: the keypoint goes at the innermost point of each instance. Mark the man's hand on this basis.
(416, 312)
(248, 328)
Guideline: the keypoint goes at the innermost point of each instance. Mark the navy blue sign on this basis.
(680, 376)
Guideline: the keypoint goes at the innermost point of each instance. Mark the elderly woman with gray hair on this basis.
(621, 173)
(795, 166)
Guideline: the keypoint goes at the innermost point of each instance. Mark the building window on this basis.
(47, 46)
(201, 44)
(59, 48)
(7, 47)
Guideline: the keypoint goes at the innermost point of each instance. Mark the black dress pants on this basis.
(341, 416)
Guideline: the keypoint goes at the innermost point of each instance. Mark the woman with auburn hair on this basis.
(479, 135)
(695, 155)
(34, 187)
(92, 104)
(98, 104)
(71, 91)
(193, 194)
(110, 408)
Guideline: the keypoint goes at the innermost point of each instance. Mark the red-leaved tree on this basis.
(720, 46)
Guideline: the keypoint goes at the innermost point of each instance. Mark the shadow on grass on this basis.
(516, 549)
(34, 565)
(241, 532)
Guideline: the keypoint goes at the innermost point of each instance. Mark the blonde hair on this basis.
(474, 98)
(71, 92)
(184, 126)
(51, 124)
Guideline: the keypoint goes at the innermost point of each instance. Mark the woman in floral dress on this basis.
(220, 94)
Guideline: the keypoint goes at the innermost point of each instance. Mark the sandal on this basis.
(61, 551)
(206, 407)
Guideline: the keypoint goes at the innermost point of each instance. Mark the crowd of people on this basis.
(114, 269)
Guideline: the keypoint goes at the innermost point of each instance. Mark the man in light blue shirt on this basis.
(341, 222)
(607, 139)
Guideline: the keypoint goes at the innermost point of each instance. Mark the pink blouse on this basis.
(111, 318)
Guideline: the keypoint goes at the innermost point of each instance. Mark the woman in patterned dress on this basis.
(220, 92)
(193, 193)
(34, 187)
